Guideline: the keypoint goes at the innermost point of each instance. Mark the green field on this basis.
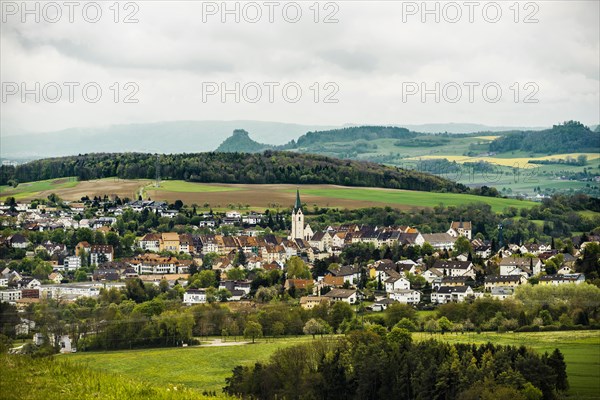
(55, 378)
(416, 199)
(32, 188)
(205, 368)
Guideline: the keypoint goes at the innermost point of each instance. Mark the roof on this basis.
(340, 293)
(452, 289)
(503, 278)
(333, 280)
(461, 225)
(452, 264)
(518, 261)
(298, 204)
(433, 238)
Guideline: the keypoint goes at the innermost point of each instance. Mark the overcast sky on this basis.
(376, 54)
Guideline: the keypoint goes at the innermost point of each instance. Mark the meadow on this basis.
(32, 189)
(202, 368)
(25, 378)
(205, 368)
(256, 197)
(416, 199)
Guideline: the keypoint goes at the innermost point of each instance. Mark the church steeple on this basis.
(298, 204)
(297, 219)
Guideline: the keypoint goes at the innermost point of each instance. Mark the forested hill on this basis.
(570, 137)
(240, 141)
(267, 167)
(351, 134)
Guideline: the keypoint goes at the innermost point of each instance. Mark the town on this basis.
(65, 253)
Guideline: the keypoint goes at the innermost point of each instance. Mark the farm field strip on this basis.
(521, 162)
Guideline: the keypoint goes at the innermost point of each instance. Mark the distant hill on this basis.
(269, 167)
(159, 137)
(352, 134)
(569, 137)
(241, 142)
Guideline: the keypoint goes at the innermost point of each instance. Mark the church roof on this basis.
(298, 204)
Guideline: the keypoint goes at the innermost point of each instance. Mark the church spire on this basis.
(298, 204)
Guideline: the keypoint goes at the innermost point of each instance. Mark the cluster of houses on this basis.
(170, 256)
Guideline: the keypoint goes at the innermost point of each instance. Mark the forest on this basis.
(376, 364)
(269, 167)
(351, 134)
(569, 137)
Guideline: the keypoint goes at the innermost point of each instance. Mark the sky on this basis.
(329, 63)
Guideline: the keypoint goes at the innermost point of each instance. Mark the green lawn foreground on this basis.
(205, 368)
(25, 378)
(201, 368)
(581, 350)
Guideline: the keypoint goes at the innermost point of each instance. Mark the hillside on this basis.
(240, 141)
(569, 137)
(269, 167)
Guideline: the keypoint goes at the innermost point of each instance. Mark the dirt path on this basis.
(221, 343)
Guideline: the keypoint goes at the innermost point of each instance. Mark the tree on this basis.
(340, 311)
(236, 274)
(278, 329)
(80, 276)
(204, 279)
(253, 330)
(556, 361)
(397, 311)
(444, 324)
(462, 245)
(314, 327)
(297, 269)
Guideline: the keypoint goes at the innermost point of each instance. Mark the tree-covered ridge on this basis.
(240, 141)
(569, 137)
(352, 134)
(269, 167)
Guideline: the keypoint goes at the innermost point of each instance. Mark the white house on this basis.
(406, 296)
(346, 295)
(448, 294)
(10, 296)
(455, 268)
(520, 266)
(396, 283)
(460, 229)
(562, 279)
(72, 263)
(194, 296)
(432, 274)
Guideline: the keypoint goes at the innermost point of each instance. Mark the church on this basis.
(299, 230)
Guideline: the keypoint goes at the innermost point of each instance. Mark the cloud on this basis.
(369, 54)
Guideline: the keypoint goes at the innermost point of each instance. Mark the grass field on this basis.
(416, 199)
(205, 368)
(521, 162)
(24, 378)
(32, 189)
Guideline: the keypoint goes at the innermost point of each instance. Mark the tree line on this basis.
(269, 167)
(569, 137)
